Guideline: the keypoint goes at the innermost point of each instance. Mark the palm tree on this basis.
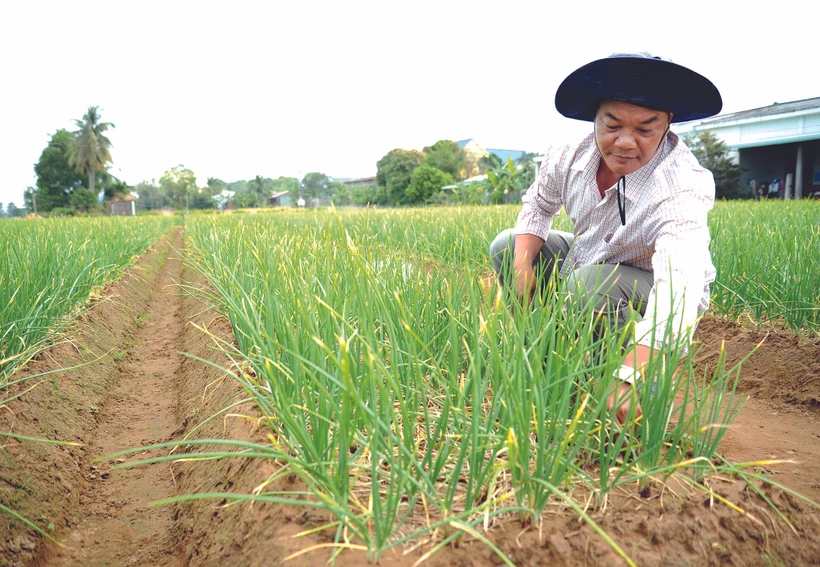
(89, 151)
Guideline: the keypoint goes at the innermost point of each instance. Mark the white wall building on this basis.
(780, 142)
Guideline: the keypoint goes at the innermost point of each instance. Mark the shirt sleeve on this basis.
(680, 264)
(544, 199)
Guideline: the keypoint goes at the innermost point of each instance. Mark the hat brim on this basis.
(650, 83)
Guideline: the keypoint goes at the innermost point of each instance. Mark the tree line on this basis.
(73, 178)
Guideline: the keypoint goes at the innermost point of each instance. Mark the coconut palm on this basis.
(89, 151)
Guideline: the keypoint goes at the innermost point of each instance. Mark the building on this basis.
(350, 183)
(122, 205)
(475, 152)
(280, 199)
(780, 142)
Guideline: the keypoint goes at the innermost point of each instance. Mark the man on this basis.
(638, 199)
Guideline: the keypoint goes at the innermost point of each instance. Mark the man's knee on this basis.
(590, 287)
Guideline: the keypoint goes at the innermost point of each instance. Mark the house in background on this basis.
(776, 142)
(352, 182)
(122, 205)
(475, 152)
(280, 199)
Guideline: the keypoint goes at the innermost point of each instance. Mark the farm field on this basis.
(390, 407)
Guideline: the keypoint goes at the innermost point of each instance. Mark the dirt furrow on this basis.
(114, 524)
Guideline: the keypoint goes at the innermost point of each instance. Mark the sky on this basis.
(244, 88)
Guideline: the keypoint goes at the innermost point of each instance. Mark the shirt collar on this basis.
(587, 163)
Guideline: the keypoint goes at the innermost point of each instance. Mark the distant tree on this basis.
(13, 211)
(56, 177)
(504, 181)
(261, 188)
(425, 182)
(713, 154)
(179, 185)
(150, 197)
(215, 186)
(490, 161)
(237, 186)
(394, 172)
(2, 213)
(367, 195)
(527, 169)
(446, 156)
(84, 201)
(90, 150)
(113, 187)
(316, 185)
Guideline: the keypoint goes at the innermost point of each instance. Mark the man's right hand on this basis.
(526, 249)
(524, 282)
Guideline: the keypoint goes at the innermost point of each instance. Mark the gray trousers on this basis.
(617, 291)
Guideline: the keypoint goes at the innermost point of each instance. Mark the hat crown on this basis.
(640, 55)
(641, 78)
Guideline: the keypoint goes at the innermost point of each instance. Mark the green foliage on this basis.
(49, 267)
(113, 187)
(83, 200)
(90, 150)
(179, 185)
(780, 281)
(527, 169)
(13, 211)
(150, 196)
(713, 154)
(260, 188)
(56, 177)
(425, 182)
(215, 186)
(446, 156)
(366, 195)
(394, 173)
(506, 182)
(317, 185)
(490, 161)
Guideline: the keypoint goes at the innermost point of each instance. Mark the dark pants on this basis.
(618, 292)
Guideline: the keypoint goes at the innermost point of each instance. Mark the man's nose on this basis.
(626, 140)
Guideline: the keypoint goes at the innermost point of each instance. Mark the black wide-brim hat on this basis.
(640, 79)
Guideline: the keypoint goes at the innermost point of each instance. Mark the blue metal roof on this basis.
(505, 154)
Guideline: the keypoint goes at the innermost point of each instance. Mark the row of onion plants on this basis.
(50, 267)
(767, 256)
(415, 399)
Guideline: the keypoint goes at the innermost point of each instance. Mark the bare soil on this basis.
(143, 391)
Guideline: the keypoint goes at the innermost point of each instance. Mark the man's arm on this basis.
(526, 247)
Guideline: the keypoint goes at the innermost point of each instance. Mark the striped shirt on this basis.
(667, 201)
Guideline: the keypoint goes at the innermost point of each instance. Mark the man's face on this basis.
(628, 135)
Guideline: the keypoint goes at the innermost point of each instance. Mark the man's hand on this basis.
(526, 249)
(625, 397)
(524, 281)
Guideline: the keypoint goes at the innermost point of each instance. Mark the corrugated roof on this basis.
(771, 110)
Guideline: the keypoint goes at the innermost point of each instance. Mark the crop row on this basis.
(409, 394)
(49, 268)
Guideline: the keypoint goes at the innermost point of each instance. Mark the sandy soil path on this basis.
(114, 524)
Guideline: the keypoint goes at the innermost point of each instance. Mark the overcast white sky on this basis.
(238, 89)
